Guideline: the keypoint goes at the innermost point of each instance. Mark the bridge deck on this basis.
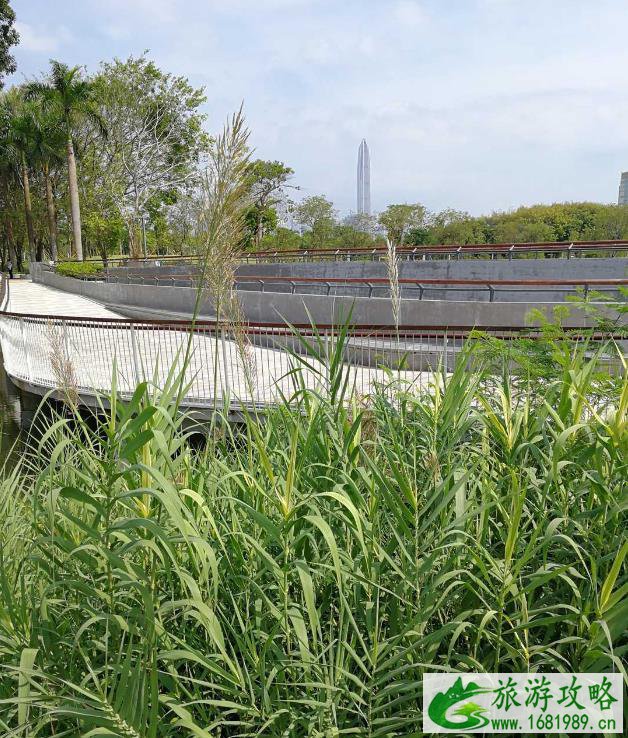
(25, 296)
(257, 370)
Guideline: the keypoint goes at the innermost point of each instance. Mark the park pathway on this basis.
(25, 296)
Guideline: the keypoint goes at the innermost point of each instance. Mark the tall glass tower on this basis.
(364, 179)
(623, 189)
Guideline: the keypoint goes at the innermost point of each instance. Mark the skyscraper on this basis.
(364, 179)
(623, 189)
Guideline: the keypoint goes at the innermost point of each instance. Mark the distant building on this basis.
(364, 179)
(623, 189)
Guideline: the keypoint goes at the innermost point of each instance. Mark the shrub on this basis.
(80, 269)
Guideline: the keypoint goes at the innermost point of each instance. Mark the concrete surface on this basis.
(276, 307)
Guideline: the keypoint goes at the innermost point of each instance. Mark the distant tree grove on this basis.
(94, 165)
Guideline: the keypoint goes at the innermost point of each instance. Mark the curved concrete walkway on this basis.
(41, 354)
(29, 297)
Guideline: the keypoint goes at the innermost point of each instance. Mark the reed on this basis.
(297, 576)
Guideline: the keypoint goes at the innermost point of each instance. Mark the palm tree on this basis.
(74, 99)
(19, 131)
(7, 174)
(47, 144)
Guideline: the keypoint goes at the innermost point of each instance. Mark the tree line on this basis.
(413, 225)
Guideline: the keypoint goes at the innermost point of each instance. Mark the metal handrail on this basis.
(221, 372)
(281, 328)
(508, 250)
(423, 285)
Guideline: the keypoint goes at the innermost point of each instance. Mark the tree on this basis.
(74, 98)
(399, 219)
(8, 37)
(318, 215)
(47, 151)
(282, 239)
(106, 230)
(154, 139)
(267, 180)
(347, 237)
(19, 133)
(258, 222)
(451, 226)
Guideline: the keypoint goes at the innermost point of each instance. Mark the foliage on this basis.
(8, 37)
(106, 232)
(575, 221)
(267, 181)
(298, 577)
(79, 269)
(317, 214)
(257, 222)
(72, 97)
(399, 219)
(281, 239)
(154, 140)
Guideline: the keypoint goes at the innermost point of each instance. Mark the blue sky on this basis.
(472, 104)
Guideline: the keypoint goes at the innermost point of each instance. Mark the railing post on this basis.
(26, 354)
(421, 291)
(135, 355)
(491, 293)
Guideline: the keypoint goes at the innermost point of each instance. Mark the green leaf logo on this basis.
(474, 713)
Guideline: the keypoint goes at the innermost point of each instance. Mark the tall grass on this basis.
(298, 576)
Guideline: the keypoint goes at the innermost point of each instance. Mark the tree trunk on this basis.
(259, 231)
(75, 207)
(28, 210)
(19, 261)
(52, 216)
(11, 242)
(135, 246)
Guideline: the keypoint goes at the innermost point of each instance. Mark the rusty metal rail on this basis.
(380, 287)
(548, 249)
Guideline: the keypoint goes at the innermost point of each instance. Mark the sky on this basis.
(478, 105)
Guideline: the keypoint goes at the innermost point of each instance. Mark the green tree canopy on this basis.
(318, 215)
(155, 137)
(73, 97)
(267, 181)
(8, 37)
(399, 219)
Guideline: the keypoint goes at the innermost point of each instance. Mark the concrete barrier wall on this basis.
(551, 268)
(154, 302)
(576, 268)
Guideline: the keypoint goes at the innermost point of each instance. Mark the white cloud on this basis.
(38, 41)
